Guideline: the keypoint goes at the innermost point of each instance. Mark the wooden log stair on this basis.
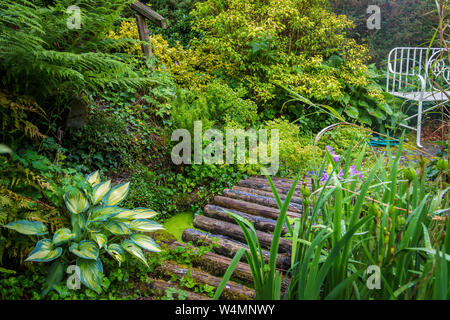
(253, 200)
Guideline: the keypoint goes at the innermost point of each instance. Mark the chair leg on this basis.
(419, 124)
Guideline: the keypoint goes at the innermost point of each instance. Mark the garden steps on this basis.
(253, 200)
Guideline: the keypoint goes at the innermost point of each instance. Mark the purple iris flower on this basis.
(354, 171)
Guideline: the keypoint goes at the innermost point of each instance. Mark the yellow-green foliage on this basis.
(296, 153)
(265, 43)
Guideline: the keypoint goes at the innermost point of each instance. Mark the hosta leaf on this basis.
(90, 273)
(116, 251)
(116, 194)
(93, 178)
(100, 238)
(104, 213)
(34, 228)
(75, 201)
(145, 225)
(61, 236)
(117, 227)
(78, 223)
(132, 248)
(86, 249)
(44, 252)
(145, 242)
(125, 215)
(144, 213)
(100, 190)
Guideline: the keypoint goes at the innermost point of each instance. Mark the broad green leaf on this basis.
(116, 194)
(116, 251)
(4, 149)
(125, 215)
(145, 242)
(144, 213)
(86, 249)
(104, 213)
(44, 252)
(34, 228)
(100, 190)
(54, 276)
(117, 227)
(76, 202)
(351, 111)
(93, 178)
(100, 238)
(61, 236)
(132, 248)
(90, 273)
(145, 225)
(78, 223)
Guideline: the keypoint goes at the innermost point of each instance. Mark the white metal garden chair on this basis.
(419, 74)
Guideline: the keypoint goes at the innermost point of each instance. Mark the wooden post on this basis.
(144, 12)
(144, 35)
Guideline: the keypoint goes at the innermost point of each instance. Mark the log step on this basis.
(227, 247)
(266, 187)
(217, 265)
(269, 194)
(233, 231)
(260, 223)
(252, 208)
(259, 199)
(232, 291)
(159, 288)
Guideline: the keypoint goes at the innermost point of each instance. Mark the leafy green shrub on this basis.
(96, 221)
(216, 104)
(262, 47)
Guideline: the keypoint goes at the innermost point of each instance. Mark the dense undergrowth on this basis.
(74, 101)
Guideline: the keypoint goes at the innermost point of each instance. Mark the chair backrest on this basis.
(407, 65)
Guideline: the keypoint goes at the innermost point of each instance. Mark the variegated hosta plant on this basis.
(99, 225)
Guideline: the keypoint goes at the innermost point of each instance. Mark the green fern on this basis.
(41, 56)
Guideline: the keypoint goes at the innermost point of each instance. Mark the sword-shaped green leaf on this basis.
(100, 238)
(62, 235)
(116, 194)
(86, 249)
(145, 225)
(90, 273)
(132, 248)
(116, 251)
(145, 242)
(76, 202)
(100, 190)
(44, 252)
(34, 228)
(117, 228)
(93, 178)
